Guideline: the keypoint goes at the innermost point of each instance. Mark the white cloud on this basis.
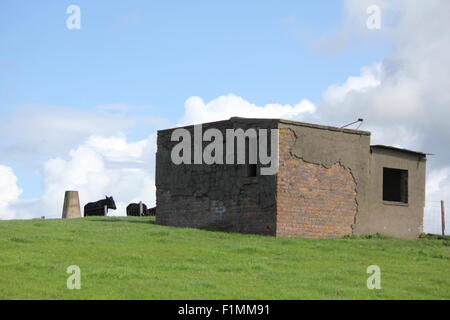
(101, 166)
(44, 130)
(368, 79)
(436, 182)
(404, 99)
(37, 132)
(224, 107)
(9, 192)
(117, 148)
(409, 87)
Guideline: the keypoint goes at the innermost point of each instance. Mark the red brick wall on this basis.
(312, 200)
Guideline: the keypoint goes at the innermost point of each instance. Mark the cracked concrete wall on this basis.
(219, 197)
(322, 181)
(403, 220)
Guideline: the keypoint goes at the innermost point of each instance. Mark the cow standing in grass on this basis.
(98, 208)
(135, 210)
(152, 212)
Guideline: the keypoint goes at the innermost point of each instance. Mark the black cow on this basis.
(133, 209)
(98, 208)
(152, 211)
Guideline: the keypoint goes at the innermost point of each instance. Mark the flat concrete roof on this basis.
(291, 122)
(318, 126)
(311, 125)
(381, 146)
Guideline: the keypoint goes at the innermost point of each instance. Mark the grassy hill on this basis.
(132, 258)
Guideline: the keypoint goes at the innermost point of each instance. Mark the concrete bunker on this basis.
(330, 183)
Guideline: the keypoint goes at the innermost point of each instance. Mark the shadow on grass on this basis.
(429, 236)
(146, 221)
(134, 220)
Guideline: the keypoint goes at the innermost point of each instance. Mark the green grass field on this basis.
(132, 258)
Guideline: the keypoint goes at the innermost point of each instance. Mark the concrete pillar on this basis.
(71, 207)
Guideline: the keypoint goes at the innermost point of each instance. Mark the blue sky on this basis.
(133, 66)
(156, 54)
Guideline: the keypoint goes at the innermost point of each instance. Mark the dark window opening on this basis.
(252, 170)
(395, 185)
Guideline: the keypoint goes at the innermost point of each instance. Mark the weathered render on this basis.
(394, 218)
(329, 184)
(219, 197)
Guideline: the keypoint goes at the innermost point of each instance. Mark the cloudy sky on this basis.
(79, 108)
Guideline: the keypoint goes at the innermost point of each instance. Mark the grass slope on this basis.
(132, 258)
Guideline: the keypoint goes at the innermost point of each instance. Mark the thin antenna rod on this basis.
(359, 120)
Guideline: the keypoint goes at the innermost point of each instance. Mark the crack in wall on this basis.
(326, 166)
